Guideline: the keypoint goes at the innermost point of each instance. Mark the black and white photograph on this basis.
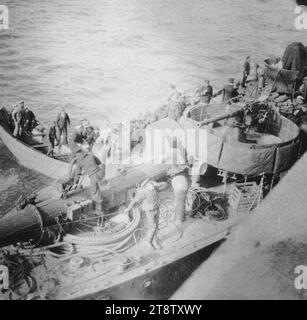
(153, 150)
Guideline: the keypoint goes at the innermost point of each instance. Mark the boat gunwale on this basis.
(4, 130)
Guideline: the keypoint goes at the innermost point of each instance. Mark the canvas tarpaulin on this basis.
(226, 152)
(286, 156)
(294, 58)
(215, 145)
(247, 160)
(281, 80)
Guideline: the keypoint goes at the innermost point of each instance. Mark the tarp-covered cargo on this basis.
(283, 77)
(294, 58)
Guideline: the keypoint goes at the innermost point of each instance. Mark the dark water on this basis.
(115, 59)
(16, 180)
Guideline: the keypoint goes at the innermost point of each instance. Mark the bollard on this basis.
(180, 186)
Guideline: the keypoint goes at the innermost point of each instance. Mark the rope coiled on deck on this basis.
(90, 245)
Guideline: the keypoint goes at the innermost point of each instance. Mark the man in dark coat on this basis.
(62, 122)
(246, 71)
(92, 167)
(51, 139)
(229, 91)
(204, 92)
(29, 120)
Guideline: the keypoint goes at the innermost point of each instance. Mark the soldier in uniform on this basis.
(92, 167)
(51, 139)
(246, 71)
(229, 91)
(204, 93)
(147, 198)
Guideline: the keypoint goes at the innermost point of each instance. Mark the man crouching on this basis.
(147, 197)
(87, 164)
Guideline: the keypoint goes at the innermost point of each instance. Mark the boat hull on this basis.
(30, 157)
(157, 278)
(159, 284)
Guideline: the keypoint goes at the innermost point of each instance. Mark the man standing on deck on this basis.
(246, 70)
(18, 114)
(204, 93)
(92, 167)
(229, 91)
(63, 122)
(147, 197)
(51, 139)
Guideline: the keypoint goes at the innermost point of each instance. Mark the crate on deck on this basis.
(245, 196)
(75, 209)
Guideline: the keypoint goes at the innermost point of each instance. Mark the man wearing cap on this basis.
(229, 91)
(62, 122)
(147, 197)
(18, 114)
(92, 167)
(205, 92)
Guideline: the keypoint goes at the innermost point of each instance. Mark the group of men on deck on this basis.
(85, 163)
(229, 92)
(204, 93)
(82, 159)
(22, 121)
(58, 134)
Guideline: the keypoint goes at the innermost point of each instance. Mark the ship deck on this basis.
(103, 274)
